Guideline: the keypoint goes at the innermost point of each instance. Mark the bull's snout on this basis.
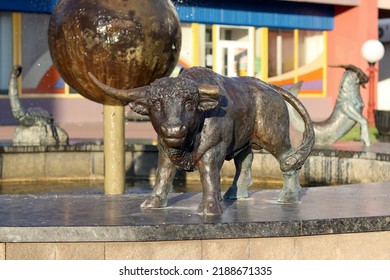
(173, 135)
(177, 131)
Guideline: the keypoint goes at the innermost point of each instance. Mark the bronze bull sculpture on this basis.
(203, 119)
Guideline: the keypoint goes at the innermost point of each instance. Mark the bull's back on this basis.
(236, 114)
(236, 90)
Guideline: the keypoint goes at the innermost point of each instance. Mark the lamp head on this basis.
(373, 51)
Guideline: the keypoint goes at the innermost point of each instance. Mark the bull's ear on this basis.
(209, 97)
(140, 106)
(207, 104)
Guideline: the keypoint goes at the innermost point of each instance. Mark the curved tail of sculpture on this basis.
(296, 157)
(18, 111)
(295, 118)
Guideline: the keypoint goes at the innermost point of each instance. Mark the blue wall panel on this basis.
(36, 6)
(272, 14)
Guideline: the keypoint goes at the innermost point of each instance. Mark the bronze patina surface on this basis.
(36, 126)
(347, 111)
(125, 43)
(203, 118)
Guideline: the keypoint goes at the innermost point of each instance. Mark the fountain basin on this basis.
(342, 163)
(334, 221)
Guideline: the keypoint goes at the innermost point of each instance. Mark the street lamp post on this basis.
(372, 52)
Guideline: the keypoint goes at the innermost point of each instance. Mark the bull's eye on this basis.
(156, 106)
(190, 105)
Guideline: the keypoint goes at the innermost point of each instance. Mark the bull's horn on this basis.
(123, 95)
(347, 67)
(209, 91)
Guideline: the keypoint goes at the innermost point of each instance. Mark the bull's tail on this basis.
(296, 157)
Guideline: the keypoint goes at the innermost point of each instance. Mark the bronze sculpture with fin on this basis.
(346, 113)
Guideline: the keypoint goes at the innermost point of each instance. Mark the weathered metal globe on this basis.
(124, 43)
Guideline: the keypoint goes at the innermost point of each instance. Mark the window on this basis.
(24, 41)
(280, 52)
(297, 55)
(39, 76)
(311, 60)
(235, 50)
(209, 47)
(6, 50)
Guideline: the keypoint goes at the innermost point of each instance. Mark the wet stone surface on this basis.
(88, 218)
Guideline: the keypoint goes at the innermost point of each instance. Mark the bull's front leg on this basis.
(209, 169)
(165, 174)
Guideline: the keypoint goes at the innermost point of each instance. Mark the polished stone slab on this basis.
(90, 218)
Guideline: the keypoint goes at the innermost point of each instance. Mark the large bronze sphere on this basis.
(124, 43)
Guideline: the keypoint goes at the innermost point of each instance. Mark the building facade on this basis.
(279, 41)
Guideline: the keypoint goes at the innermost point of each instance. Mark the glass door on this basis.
(235, 53)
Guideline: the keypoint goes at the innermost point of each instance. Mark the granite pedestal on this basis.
(97, 218)
(333, 221)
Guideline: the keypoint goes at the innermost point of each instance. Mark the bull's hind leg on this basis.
(277, 142)
(243, 178)
(291, 187)
(289, 164)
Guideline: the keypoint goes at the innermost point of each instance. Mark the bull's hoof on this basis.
(212, 208)
(288, 197)
(234, 193)
(154, 202)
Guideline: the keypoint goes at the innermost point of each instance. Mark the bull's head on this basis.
(174, 106)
